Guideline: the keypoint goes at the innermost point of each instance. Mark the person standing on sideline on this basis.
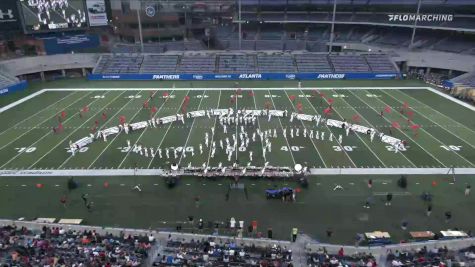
(448, 216)
(467, 190)
(84, 198)
(370, 183)
(89, 206)
(295, 231)
(63, 200)
(389, 198)
(429, 210)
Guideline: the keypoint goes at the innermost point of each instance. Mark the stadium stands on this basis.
(349, 63)
(275, 63)
(240, 63)
(210, 252)
(6, 80)
(237, 64)
(60, 247)
(322, 258)
(313, 63)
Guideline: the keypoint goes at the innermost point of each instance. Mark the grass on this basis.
(445, 139)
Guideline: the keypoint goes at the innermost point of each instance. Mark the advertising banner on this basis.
(96, 12)
(247, 76)
(9, 16)
(67, 44)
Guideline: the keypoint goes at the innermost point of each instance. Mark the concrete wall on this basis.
(27, 65)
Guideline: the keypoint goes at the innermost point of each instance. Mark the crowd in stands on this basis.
(322, 258)
(60, 247)
(208, 252)
(442, 257)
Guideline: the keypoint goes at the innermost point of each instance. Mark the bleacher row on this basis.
(243, 63)
(6, 80)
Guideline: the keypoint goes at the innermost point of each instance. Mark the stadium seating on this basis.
(349, 63)
(237, 64)
(313, 63)
(421, 257)
(322, 258)
(276, 63)
(6, 80)
(197, 64)
(240, 63)
(60, 247)
(208, 252)
(159, 64)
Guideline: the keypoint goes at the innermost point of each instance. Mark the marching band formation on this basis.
(242, 120)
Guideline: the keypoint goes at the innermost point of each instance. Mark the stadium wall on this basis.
(13, 88)
(246, 76)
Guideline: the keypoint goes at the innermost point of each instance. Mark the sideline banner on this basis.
(13, 88)
(246, 76)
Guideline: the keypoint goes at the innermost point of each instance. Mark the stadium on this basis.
(237, 133)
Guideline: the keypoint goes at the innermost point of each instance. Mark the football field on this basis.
(445, 137)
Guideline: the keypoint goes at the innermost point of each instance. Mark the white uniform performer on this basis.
(285, 132)
(297, 132)
(317, 135)
(331, 137)
(167, 153)
(128, 144)
(275, 133)
(152, 152)
(145, 151)
(323, 136)
(159, 152)
(291, 132)
(340, 138)
(311, 134)
(212, 130)
(305, 132)
(225, 129)
(201, 148)
(250, 155)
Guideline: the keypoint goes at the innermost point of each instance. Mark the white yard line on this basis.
(433, 137)
(110, 118)
(435, 110)
(430, 154)
(375, 128)
(160, 172)
(235, 125)
(359, 137)
(423, 115)
(18, 102)
(26, 132)
(48, 133)
(37, 113)
(258, 124)
(314, 146)
(64, 139)
(212, 137)
(451, 98)
(163, 138)
(285, 137)
(143, 132)
(189, 133)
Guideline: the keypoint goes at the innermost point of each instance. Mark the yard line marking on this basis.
(165, 135)
(189, 133)
(423, 115)
(37, 112)
(359, 137)
(440, 142)
(212, 137)
(258, 124)
(282, 128)
(26, 132)
(64, 139)
(143, 132)
(430, 154)
(313, 143)
(19, 101)
(43, 135)
(367, 121)
(117, 135)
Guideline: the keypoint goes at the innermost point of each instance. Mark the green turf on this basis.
(317, 208)
(29, 143)
(444, 123)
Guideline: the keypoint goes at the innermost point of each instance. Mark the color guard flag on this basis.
(396, 125)
(387, 109)
(251, 93)
(165, 94)
(154, 109)
(63, 114)
(327, 111)
(356, 118)
(122, 119)
(292, 98)
(330, 100)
